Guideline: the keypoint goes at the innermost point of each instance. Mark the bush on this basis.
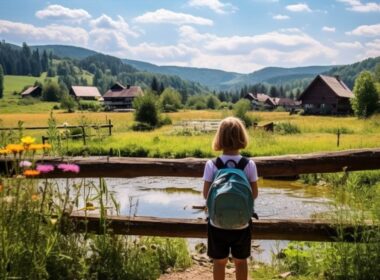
(27, 101)
(366, 98)
(93, 106)
(141, 126)
(240, 111)
(68, 103)
(287, 128)
(147, 110)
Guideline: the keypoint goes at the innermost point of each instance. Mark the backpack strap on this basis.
(240, 165)
(218, 163)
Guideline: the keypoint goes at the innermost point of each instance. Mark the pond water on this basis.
(174, 197)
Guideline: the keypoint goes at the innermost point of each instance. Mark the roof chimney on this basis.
(128, 86)
(337, 77)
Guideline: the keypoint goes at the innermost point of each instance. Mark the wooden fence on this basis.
(307, 230)
(82, 135)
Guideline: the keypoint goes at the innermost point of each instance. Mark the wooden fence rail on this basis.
(295, 229)
(288, 165)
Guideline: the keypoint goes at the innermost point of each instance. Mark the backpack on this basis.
(229, 201)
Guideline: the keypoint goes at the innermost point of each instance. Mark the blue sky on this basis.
(240, 36)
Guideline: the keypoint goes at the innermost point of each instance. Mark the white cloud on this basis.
(17, 31)
(358, 6)
(366, 30)
(166, 16)
(349, 45)
(214, 5)
(300, 7)
(119, 25)
(280, 17)
(58, 12)
(328, 29)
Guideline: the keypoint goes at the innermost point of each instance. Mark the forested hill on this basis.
(66, 51)
(348, 73)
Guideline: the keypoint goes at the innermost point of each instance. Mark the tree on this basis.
(68, 103)
(212, 102)
(154, 85)
(366, 98)
(240, 110)
(51, 91)
(1, 82)
(170, 100)
(146, 109)
(377, 73)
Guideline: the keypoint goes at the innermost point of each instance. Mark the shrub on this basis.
(141, 126)
(27, 101)
(287, 128)
(93, 106)
(147, 110)
(366, 97)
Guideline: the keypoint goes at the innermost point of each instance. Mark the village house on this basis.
(327, 95)
(85, 93)
(119, 97)
(32, 92)
(264, 101)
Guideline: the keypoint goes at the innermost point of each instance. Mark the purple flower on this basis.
(45, 168)
(69, 167)
(25, 163)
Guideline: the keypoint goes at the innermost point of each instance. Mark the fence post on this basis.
(337, 138)
(109, 128)
(83, 135)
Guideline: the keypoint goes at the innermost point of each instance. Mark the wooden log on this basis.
(288, 165)
(296, 229)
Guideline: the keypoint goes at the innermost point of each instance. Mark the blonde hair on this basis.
(231, 135)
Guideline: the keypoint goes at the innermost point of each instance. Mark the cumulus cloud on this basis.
(366, 30)
(58, 12)
(215, 5)
(280, 17)
(17, 31)
(300, 7)
(358, 6)
(166, 16)
(119, 25)
(328, 29)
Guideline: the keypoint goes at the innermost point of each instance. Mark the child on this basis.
(230, 137)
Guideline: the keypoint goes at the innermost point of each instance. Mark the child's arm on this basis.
(206, 187)
(255, 189)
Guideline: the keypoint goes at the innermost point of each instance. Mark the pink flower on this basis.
(69, 167)
(45, 168)
(25, 163)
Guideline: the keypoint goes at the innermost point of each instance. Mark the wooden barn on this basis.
(85, 93)
(261, 100)
(327, 95)
(32, 92)
(119, 97)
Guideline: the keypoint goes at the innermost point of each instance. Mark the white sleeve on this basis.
(251, 171)
(208, 174)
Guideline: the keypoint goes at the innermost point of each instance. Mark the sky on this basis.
(231, 35)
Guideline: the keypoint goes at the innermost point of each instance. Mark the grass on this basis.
(315, 134)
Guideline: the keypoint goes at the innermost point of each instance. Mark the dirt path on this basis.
(197, 272)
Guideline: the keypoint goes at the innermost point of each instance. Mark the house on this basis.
(261, 100)
(32, 92)
(327, 95)
(85, 93)
(119, 97)
(287, 103)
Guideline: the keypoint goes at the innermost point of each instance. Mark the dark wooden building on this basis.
(119, 97)
(85, 93)
(32, 92)
(327, 95)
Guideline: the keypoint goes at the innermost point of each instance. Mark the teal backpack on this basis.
(229, 201)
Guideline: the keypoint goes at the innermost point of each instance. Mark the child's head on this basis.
(231, 135)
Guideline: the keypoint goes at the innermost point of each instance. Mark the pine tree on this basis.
(1, 82)
(154, 85)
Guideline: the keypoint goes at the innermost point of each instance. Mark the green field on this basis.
(316, 134)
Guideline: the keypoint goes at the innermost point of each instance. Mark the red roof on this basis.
(84, 91)
(29, 90)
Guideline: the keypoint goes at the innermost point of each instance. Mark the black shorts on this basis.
(221, 241)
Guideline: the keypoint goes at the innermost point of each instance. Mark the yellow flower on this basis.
(15, 148)
(27, 140)
(46, 146)
(34, 147)
(31, 173)
(35, 197)
(4, 151)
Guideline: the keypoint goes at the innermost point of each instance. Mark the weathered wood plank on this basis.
(288, 165)
(296, 229)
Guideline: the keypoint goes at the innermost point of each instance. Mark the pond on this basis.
(173, 197)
